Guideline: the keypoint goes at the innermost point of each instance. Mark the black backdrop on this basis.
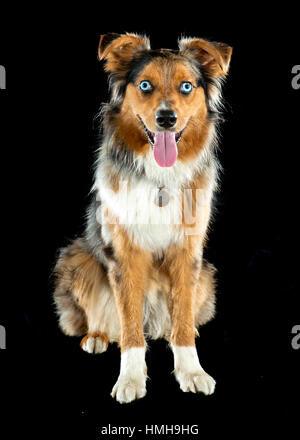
(48, 136)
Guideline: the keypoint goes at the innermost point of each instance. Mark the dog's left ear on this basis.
(118, 50)
(213, 57)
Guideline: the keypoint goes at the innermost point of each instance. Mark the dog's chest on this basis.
(151, 216)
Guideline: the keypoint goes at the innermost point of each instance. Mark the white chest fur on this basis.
(150, 226)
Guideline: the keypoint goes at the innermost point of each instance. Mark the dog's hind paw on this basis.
(94, 343)
(128, 389)
(199, 382)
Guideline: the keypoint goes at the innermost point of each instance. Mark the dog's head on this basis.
(167, 98)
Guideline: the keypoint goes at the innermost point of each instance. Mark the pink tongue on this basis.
(165, 148)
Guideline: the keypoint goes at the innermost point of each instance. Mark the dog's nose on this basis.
(166, 118)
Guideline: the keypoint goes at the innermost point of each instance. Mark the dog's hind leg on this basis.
(72, 317)
(84, 301)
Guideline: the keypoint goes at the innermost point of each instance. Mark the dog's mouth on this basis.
(164, 145)
(151, 136)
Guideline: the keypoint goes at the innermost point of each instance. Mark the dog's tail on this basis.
(76, 273)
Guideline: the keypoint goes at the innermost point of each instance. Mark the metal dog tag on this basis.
(162, 198)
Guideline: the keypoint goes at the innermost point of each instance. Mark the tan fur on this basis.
(82, 287)
(93, 310)
(114, 181)
(121, 51)
(214, 57)
(128, 280)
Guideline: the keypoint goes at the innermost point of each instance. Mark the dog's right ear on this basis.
(118, 50)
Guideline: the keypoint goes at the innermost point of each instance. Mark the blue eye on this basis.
(146, 86)
(186, 87)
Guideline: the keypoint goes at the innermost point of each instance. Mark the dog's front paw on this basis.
(129, 388)
(198, 382)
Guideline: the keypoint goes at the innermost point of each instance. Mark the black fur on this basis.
(109, 252)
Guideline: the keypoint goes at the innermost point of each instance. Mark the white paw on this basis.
(198, 382)
(94, 345)
(129, 388)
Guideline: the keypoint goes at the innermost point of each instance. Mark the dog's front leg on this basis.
(128, 278)
(187, 368)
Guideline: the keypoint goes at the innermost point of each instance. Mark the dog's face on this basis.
(165, 94)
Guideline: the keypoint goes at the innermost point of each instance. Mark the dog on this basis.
(138, 270)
